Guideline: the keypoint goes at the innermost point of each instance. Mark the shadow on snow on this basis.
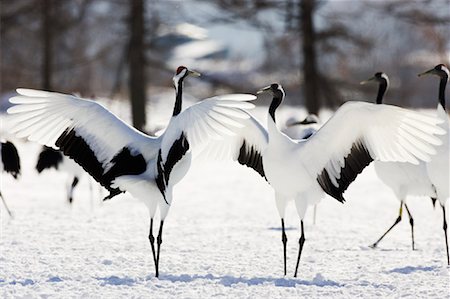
(228, 280)
(115, 280)
(410, 269)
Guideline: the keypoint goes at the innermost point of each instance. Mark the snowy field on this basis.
(221, 239)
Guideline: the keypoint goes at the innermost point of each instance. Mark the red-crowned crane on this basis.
(52, 158)
(404, 179)
(439, 167)
(329, 160)
(118, 156)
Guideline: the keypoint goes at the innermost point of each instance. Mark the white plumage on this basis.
(117, 155)
(404, 179)
(332, 158)
(439, 167)
(304, 129)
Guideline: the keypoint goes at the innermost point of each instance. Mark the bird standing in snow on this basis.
(9, 163)
(439, 167)
(51, 158)
(302, 129)
(329, 160)
(118, 156)
(403, 179)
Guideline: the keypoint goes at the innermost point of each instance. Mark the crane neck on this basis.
(179, 97)
(276, 101)
(381, 91)
(442, 85)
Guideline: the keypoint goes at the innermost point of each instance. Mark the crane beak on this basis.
(262, 90)
(194, 73)
(367, 81)
(429, 72)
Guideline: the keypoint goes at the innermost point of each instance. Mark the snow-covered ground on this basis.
(221, 239)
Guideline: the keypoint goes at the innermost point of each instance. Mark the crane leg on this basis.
(6, 206)
(301, 242)
(399, 218)
(151, 238)
(411, 222)
(74, 183)
(445, 233)
(159, 242)
(284, 240)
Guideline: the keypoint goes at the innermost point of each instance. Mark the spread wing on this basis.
(84, 130)
(196, 127)
(246, 146)
(360, 132)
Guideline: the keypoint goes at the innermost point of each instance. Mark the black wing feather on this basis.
(358, 158)
(123, 163)
(251, 157)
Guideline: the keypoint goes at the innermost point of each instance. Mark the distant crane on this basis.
(120, 157)
(9, 163)
(403, 178)
(51, 158)
(302, 129)
(439, 167)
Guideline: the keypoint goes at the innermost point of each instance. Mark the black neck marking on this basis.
(381, 90)
(251, 157)
(276, 101)
(358, 158)
(179, 98)
(48, 158)
(442, 85)
(164, 168)
(10, 159)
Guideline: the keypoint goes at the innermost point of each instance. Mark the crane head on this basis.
(378, 77)
(275, 89)
(440, 70)
(181, 73)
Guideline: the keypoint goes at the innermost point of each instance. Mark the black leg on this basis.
(6, 206)
(301, 241)
(152, 242)
(399, 218)
(284, 240)
(74, 183)
(411, 222)
(159, 242)
(445, 233)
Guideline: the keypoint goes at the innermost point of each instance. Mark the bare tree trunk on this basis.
(47, 37)
(306, 20)
(136, 63)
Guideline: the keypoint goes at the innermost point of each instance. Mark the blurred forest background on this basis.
(319, 50)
